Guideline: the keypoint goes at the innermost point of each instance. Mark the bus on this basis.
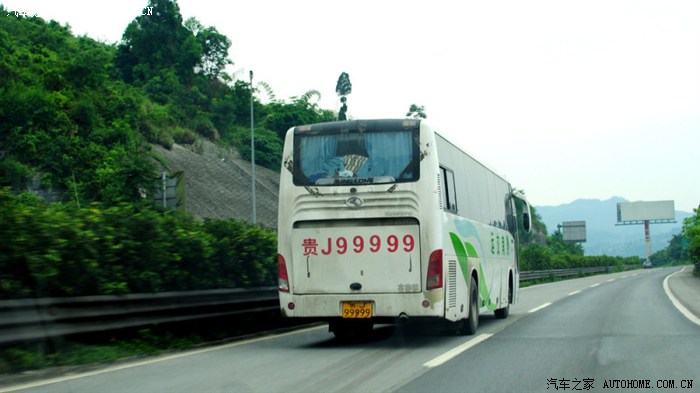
(386, 220)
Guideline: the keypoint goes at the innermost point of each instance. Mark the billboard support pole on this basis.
(647, 238)
(656, 212)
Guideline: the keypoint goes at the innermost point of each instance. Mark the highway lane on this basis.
(588, 328)
(616, 331)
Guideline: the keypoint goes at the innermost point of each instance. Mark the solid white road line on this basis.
(539, 308)
(678, 304)
(456, 351)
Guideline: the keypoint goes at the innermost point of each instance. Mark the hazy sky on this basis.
(567, 99)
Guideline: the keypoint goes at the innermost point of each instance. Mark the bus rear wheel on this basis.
(502, 313)
(470, 324)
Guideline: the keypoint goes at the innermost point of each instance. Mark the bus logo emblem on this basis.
(353, 202)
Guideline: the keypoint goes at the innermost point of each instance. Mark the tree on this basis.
(691, 233)
(271, 97)
(268, 147)
(65, 120)
(281, 115)
(416, 112)
(158, 41)
(343, 87)
(214, 46)
(557, 245)
(671, 254)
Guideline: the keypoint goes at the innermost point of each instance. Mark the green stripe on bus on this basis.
(462, 250)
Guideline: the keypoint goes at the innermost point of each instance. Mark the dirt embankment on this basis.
(218, 183)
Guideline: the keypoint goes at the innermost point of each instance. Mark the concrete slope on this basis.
(218, 183)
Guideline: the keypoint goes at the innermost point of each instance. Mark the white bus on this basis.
(383, 220)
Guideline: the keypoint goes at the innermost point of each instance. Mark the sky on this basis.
(566, 99)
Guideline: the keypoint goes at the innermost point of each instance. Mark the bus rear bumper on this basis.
(383, 306)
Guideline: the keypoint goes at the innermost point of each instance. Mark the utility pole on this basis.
(252, 145)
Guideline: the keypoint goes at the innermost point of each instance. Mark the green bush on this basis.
(268, 147)
(184, 136)
(62, 250)
(534, 257)
(13, 173)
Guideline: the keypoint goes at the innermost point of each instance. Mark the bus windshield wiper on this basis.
(313, 191)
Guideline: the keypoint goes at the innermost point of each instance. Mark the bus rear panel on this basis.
(367, 231)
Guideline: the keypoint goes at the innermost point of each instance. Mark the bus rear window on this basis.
(355, 157)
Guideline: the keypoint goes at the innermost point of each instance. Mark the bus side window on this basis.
(510, 215)
(448, 190)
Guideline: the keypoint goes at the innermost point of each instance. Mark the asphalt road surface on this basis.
(616, 332)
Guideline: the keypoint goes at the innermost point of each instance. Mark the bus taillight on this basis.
(282, 278)
(434, 279)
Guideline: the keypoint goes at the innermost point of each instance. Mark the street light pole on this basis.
(252, 145)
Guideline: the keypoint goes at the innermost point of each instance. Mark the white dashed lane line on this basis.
(539, 308)
(456, 351)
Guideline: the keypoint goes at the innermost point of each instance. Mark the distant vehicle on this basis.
(385, 220)
(647, 264)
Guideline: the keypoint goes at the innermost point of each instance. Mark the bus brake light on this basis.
(434, 279)
(283, 278)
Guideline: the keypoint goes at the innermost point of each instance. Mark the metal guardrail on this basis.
(37, 319)
(34, 319)
(537, 274)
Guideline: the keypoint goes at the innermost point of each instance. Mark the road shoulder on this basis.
(684, 288)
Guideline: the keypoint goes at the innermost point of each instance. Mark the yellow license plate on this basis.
(357, 309)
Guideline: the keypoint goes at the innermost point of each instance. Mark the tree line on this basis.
(683, 247)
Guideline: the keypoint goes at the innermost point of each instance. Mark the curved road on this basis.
(607, 332)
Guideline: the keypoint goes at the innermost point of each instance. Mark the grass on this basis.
(107, 347)
(61, 352)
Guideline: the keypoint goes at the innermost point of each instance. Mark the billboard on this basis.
(642, 211)
(574, 231)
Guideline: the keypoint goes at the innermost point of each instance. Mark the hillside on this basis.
(218, 183)
(79, 117)
(603, 236)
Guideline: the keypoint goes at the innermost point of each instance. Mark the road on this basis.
(602, 332)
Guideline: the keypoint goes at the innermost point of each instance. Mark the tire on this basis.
(502, 313)
(470, 324)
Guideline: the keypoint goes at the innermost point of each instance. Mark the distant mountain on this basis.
(602, 236)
